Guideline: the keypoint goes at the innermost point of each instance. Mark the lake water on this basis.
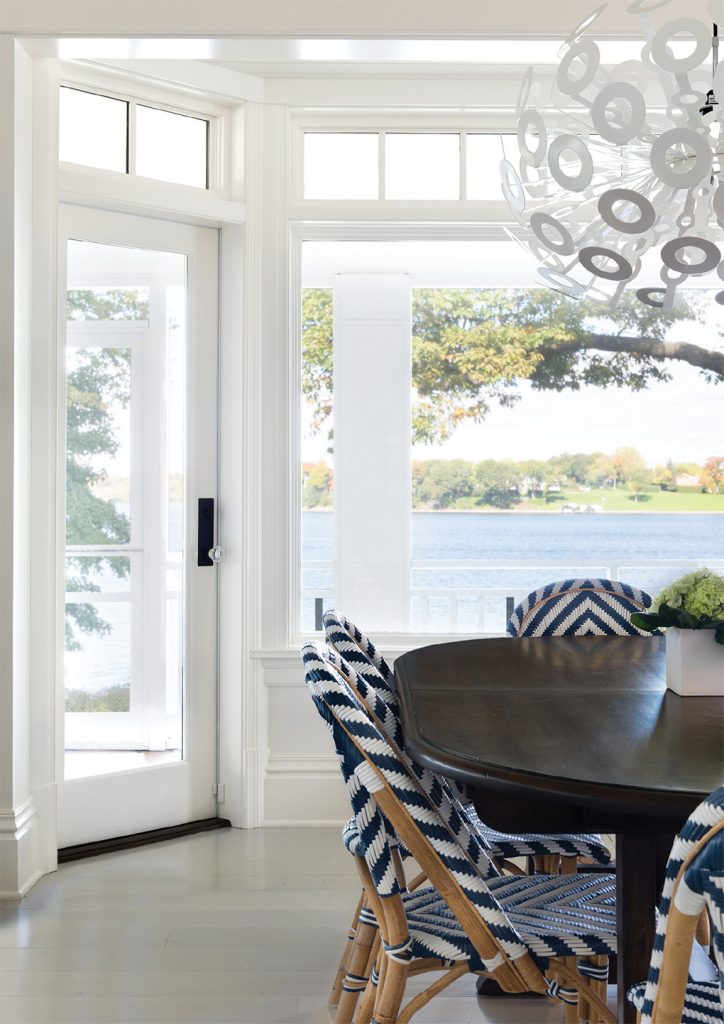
(576, 545)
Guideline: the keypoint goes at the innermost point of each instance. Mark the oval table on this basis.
(570, 734)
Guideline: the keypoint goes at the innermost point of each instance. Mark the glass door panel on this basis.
(140, 437)
(125, 341)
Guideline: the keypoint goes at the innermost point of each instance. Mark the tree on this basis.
(713, 474)
(317, 484)
(317, 353)
(441, 482)
(97, 379)
(471, 349)
(496, 483)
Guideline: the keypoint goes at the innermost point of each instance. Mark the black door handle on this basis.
(205, 531)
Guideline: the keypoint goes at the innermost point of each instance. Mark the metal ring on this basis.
(584, 24)
(622, 132)
(532, 118)
(647, 213)
(512, 186)
(562, 282)
(711, 259)
(623, 272)
(564, 244)
(646, 295)
(680, 65)
(575, 86)
(577, 182)
(684, 137)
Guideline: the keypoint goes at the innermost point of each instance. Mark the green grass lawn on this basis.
(621, 500)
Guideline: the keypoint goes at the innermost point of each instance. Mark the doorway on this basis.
(137, 712)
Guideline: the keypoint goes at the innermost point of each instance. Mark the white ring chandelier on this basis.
(609, 177)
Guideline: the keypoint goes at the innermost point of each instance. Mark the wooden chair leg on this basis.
(366, 1005)
(336, 989)
(390, 991)
(355, 980)
(569, 865)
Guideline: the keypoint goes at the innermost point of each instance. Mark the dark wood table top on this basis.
(586, 720)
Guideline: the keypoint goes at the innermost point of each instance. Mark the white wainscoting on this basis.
(302, 783)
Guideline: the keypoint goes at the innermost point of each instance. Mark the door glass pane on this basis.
(124, 568)
(93, 130)
(171, 147)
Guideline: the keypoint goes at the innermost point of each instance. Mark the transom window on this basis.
(404, 165)
(117, 134)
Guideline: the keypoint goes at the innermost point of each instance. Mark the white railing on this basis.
(485, 609)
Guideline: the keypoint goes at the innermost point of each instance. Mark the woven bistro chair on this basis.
(372, 673)
(548, 934)
(694, 881)
(595, 607)
(359, 652)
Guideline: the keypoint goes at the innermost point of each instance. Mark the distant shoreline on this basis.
(549, 512)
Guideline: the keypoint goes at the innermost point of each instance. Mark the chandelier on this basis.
(624, 161)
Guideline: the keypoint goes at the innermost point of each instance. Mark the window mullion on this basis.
(381, 164)
(463, 165)
(131, 158)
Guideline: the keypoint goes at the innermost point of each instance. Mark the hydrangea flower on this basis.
(700, 593)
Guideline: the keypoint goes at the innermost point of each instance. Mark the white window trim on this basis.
(221, 201)
(384, 123)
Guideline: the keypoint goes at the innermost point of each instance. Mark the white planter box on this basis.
(694, 663)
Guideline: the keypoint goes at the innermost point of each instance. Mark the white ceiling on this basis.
(240, 20)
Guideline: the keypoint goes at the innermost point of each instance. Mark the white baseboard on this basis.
(19, 867)
(304, 789)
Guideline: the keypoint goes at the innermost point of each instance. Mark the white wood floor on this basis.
(237, 926)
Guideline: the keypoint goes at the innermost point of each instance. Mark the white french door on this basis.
(138, 665)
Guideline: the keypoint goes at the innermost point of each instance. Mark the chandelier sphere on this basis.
(617, 162)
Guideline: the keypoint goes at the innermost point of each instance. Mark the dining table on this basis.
(570, 734)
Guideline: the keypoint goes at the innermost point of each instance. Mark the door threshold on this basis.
(155, 835)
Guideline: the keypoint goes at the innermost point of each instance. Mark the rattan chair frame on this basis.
(519, 974)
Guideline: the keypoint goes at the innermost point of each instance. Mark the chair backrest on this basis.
(585, 607)
(694, 880)
(442, 792)
(356, 648)
(382, 783)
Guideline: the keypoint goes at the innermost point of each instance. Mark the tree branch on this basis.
(683, 351)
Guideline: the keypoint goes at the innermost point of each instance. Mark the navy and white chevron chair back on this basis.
(359, 651)
(701, 885)
(438, 790)
(595, 607)
(380, 767)
(369, 684)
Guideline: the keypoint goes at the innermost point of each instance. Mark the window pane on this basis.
(93, 130)
(534, 455)
(125, 459)
(171, 147)
(98, 446)
(422, 166)
(98, 656)
(341, 165)
(484, 153)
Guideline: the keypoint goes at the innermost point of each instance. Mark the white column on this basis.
(372, 460)
(18, 834)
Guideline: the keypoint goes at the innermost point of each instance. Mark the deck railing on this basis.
(471, 607)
